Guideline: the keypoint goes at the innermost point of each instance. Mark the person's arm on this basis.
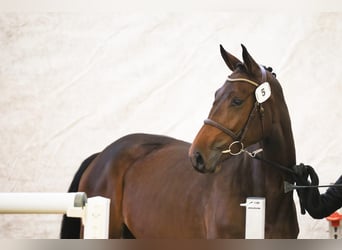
(328, 202)
(316, 204)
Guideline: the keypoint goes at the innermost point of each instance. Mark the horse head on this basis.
(241, 115)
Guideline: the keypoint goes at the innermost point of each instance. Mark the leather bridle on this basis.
(238, 140)
(239, 137)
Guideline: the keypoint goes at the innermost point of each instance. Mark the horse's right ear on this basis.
(229, 59)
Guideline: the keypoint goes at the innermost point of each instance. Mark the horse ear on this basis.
(251, 66)
(229, 59)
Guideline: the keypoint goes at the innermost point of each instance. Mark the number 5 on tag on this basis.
(263, 92)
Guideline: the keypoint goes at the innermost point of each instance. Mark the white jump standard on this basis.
(94, 211)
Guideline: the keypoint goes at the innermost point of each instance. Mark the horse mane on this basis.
(270, 69)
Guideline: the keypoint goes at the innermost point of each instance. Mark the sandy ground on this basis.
(71, 84)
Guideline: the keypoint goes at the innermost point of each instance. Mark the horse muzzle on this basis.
(203, 165)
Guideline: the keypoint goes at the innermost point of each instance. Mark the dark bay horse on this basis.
(156, 191)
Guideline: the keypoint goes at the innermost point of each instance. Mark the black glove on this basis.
(308, 197)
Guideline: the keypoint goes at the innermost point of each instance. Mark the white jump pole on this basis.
(94, 211)
(255, 217)
(42, 203)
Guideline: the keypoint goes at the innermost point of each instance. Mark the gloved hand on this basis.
(308, 197)
(302, 172)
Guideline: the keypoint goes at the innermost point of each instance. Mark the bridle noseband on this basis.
(238, 137)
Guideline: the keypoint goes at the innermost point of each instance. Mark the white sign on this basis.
(263, 92)
(255, 217)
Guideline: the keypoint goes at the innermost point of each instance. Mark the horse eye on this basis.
(236, 101)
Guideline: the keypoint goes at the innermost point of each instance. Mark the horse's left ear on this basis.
(251, 66)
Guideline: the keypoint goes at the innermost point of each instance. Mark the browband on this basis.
(263, 78)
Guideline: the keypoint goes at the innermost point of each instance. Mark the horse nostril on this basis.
(198, 161)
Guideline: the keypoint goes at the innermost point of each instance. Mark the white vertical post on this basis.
(96, 218)
(255, 218)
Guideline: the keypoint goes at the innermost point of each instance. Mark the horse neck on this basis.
(279, 144)
(279, 147)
